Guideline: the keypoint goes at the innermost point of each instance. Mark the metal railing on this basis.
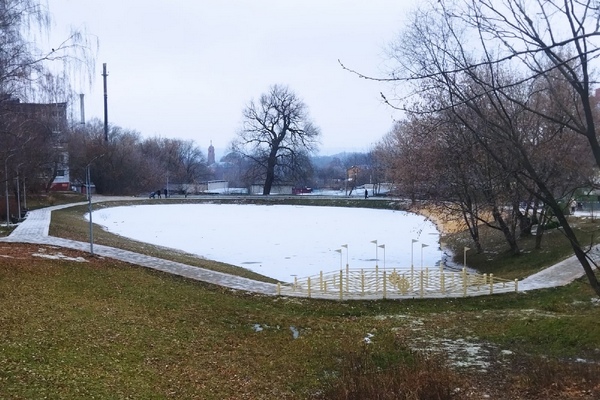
(375, 283)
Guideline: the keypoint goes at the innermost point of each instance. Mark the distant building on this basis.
(211, 154)
(49, 119)
(258, 188)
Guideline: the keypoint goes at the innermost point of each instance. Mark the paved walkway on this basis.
(34, 229)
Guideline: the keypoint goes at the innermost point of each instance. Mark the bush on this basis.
(411, 376)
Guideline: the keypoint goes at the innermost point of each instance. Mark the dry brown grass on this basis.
(445, 221)
(418, 377)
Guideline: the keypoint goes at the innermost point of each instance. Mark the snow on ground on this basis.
(282, 241)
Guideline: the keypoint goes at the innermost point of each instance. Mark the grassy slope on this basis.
(111, 330)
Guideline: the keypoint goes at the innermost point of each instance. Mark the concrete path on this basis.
(34, 229)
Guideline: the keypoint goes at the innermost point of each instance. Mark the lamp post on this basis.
(412, 246)
(19, 193)
(6, 189)
(423, 245)
(89, 196)
(340, 251)
(88, 180)
(345, 246)
(376, 254)
(383, 247)
(465, 256)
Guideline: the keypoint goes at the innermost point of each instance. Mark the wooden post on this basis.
(384, 285)
(362, 281)
(341, 286)
(308, 282)
(347, 277)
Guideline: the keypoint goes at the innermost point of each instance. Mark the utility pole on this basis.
(82, 109)
(104, 74)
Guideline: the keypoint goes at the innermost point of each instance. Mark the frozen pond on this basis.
(282, 241)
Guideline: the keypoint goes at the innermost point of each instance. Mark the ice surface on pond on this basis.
(282, 241)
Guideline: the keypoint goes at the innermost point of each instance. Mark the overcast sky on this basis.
(186, 68)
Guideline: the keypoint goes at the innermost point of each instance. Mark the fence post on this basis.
(341, 287)
(308, 282)
(295, 283)
(347, 278)
(491, 283)
(516, 285)
(464, 273)
(421, 283)
(362, 281)
(384, 285)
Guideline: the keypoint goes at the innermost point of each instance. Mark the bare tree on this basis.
(488, 62)
(277, 135)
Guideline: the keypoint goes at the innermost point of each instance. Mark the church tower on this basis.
(211, 154)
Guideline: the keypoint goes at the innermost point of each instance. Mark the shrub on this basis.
(411, 376)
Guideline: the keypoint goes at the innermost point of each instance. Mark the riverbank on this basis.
(445, 221)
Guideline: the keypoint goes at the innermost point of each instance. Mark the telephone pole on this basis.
(104, 74)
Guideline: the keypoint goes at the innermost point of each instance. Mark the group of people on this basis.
(158, 193)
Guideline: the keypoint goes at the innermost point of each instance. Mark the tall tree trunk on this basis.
(506, 231)
(474, 232)
(539, 233)
(270, 178)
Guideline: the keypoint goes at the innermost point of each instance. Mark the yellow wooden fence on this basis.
(396, 283)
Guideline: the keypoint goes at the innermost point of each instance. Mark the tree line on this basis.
(38, 144)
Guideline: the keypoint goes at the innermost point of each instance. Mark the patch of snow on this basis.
(59, 256)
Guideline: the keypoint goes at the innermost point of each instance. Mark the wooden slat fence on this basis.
(376, 283)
